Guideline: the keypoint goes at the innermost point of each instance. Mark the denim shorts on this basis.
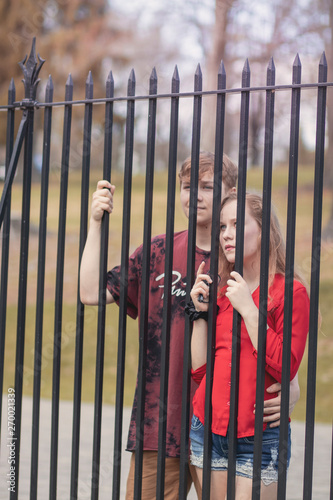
(244, 458)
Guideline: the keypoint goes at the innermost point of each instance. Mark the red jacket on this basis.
(248, 357)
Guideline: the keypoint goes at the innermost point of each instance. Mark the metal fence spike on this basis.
(49, 84)
(109, 84)
(89, 86)
(132, 76)
(222, 70)
(11, 85)
(297, 68)
(246, 68)
(31, 67)
(153, 75)
(246, 74)
(175, 81)
(69, 82)
(110, 77)
(221, 77)
(271, 65)
(89, 80)
(175, 75)
(323, 60)
(49, 90)
(297, 61)
(198, 71)
(271, 72)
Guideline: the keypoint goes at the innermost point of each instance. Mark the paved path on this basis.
(322, 459)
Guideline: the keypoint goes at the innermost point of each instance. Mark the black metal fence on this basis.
(31, 68)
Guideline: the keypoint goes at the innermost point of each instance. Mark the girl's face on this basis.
(252, 234)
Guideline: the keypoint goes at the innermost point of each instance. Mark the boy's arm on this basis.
(89, 267)
(272, 407)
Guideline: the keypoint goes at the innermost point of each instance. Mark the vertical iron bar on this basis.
(315, 279)
(214, 262)
(264, 273)
(190, 270)
(129, 139)
(289, 277)
(101, 305)
(23, 276)
(105, 219)
(5, 239)
(86, 154)
(144, 304)
(59, 289)
(241, 191)
(40, 291)
(172, 170)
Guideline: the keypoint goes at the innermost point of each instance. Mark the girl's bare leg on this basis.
(244, 489)
(218, 483)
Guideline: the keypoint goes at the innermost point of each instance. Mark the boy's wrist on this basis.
(95, 222)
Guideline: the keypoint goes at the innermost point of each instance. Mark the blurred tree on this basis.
(218, 53)
(19, 21)
(257, 31)
(75, 36)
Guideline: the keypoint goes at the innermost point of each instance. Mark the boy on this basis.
(89, 291)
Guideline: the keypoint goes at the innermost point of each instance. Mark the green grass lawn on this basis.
(324, 400)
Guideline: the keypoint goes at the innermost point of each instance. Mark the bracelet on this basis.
(193, 313)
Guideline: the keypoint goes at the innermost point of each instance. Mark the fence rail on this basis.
(31, 68)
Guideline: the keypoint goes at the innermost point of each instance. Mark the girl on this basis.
(242, 293)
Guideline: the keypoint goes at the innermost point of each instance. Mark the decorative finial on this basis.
(31, 71)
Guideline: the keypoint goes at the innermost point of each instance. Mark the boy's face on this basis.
(205, 197)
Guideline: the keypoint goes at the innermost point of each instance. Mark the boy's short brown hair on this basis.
(206, 164)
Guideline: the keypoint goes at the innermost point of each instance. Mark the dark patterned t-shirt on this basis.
(154, 334)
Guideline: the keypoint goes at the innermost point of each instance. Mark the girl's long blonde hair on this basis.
(277, 253)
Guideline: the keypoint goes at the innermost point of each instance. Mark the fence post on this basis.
(241, 192)
(264, 275)
(165, 348)
(40, 291)
(315, 279)
(30, 68)
(289, 277)
(214, 257)
(59, 289)
(190, 270)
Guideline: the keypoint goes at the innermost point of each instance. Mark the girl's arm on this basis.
(241, 299)
(199, 344)
(199, 332)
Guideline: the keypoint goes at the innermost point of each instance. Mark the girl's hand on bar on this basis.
(239, 294)
(201, 287)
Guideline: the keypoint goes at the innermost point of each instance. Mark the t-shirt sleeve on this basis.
(114, 280)
(300, 327)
